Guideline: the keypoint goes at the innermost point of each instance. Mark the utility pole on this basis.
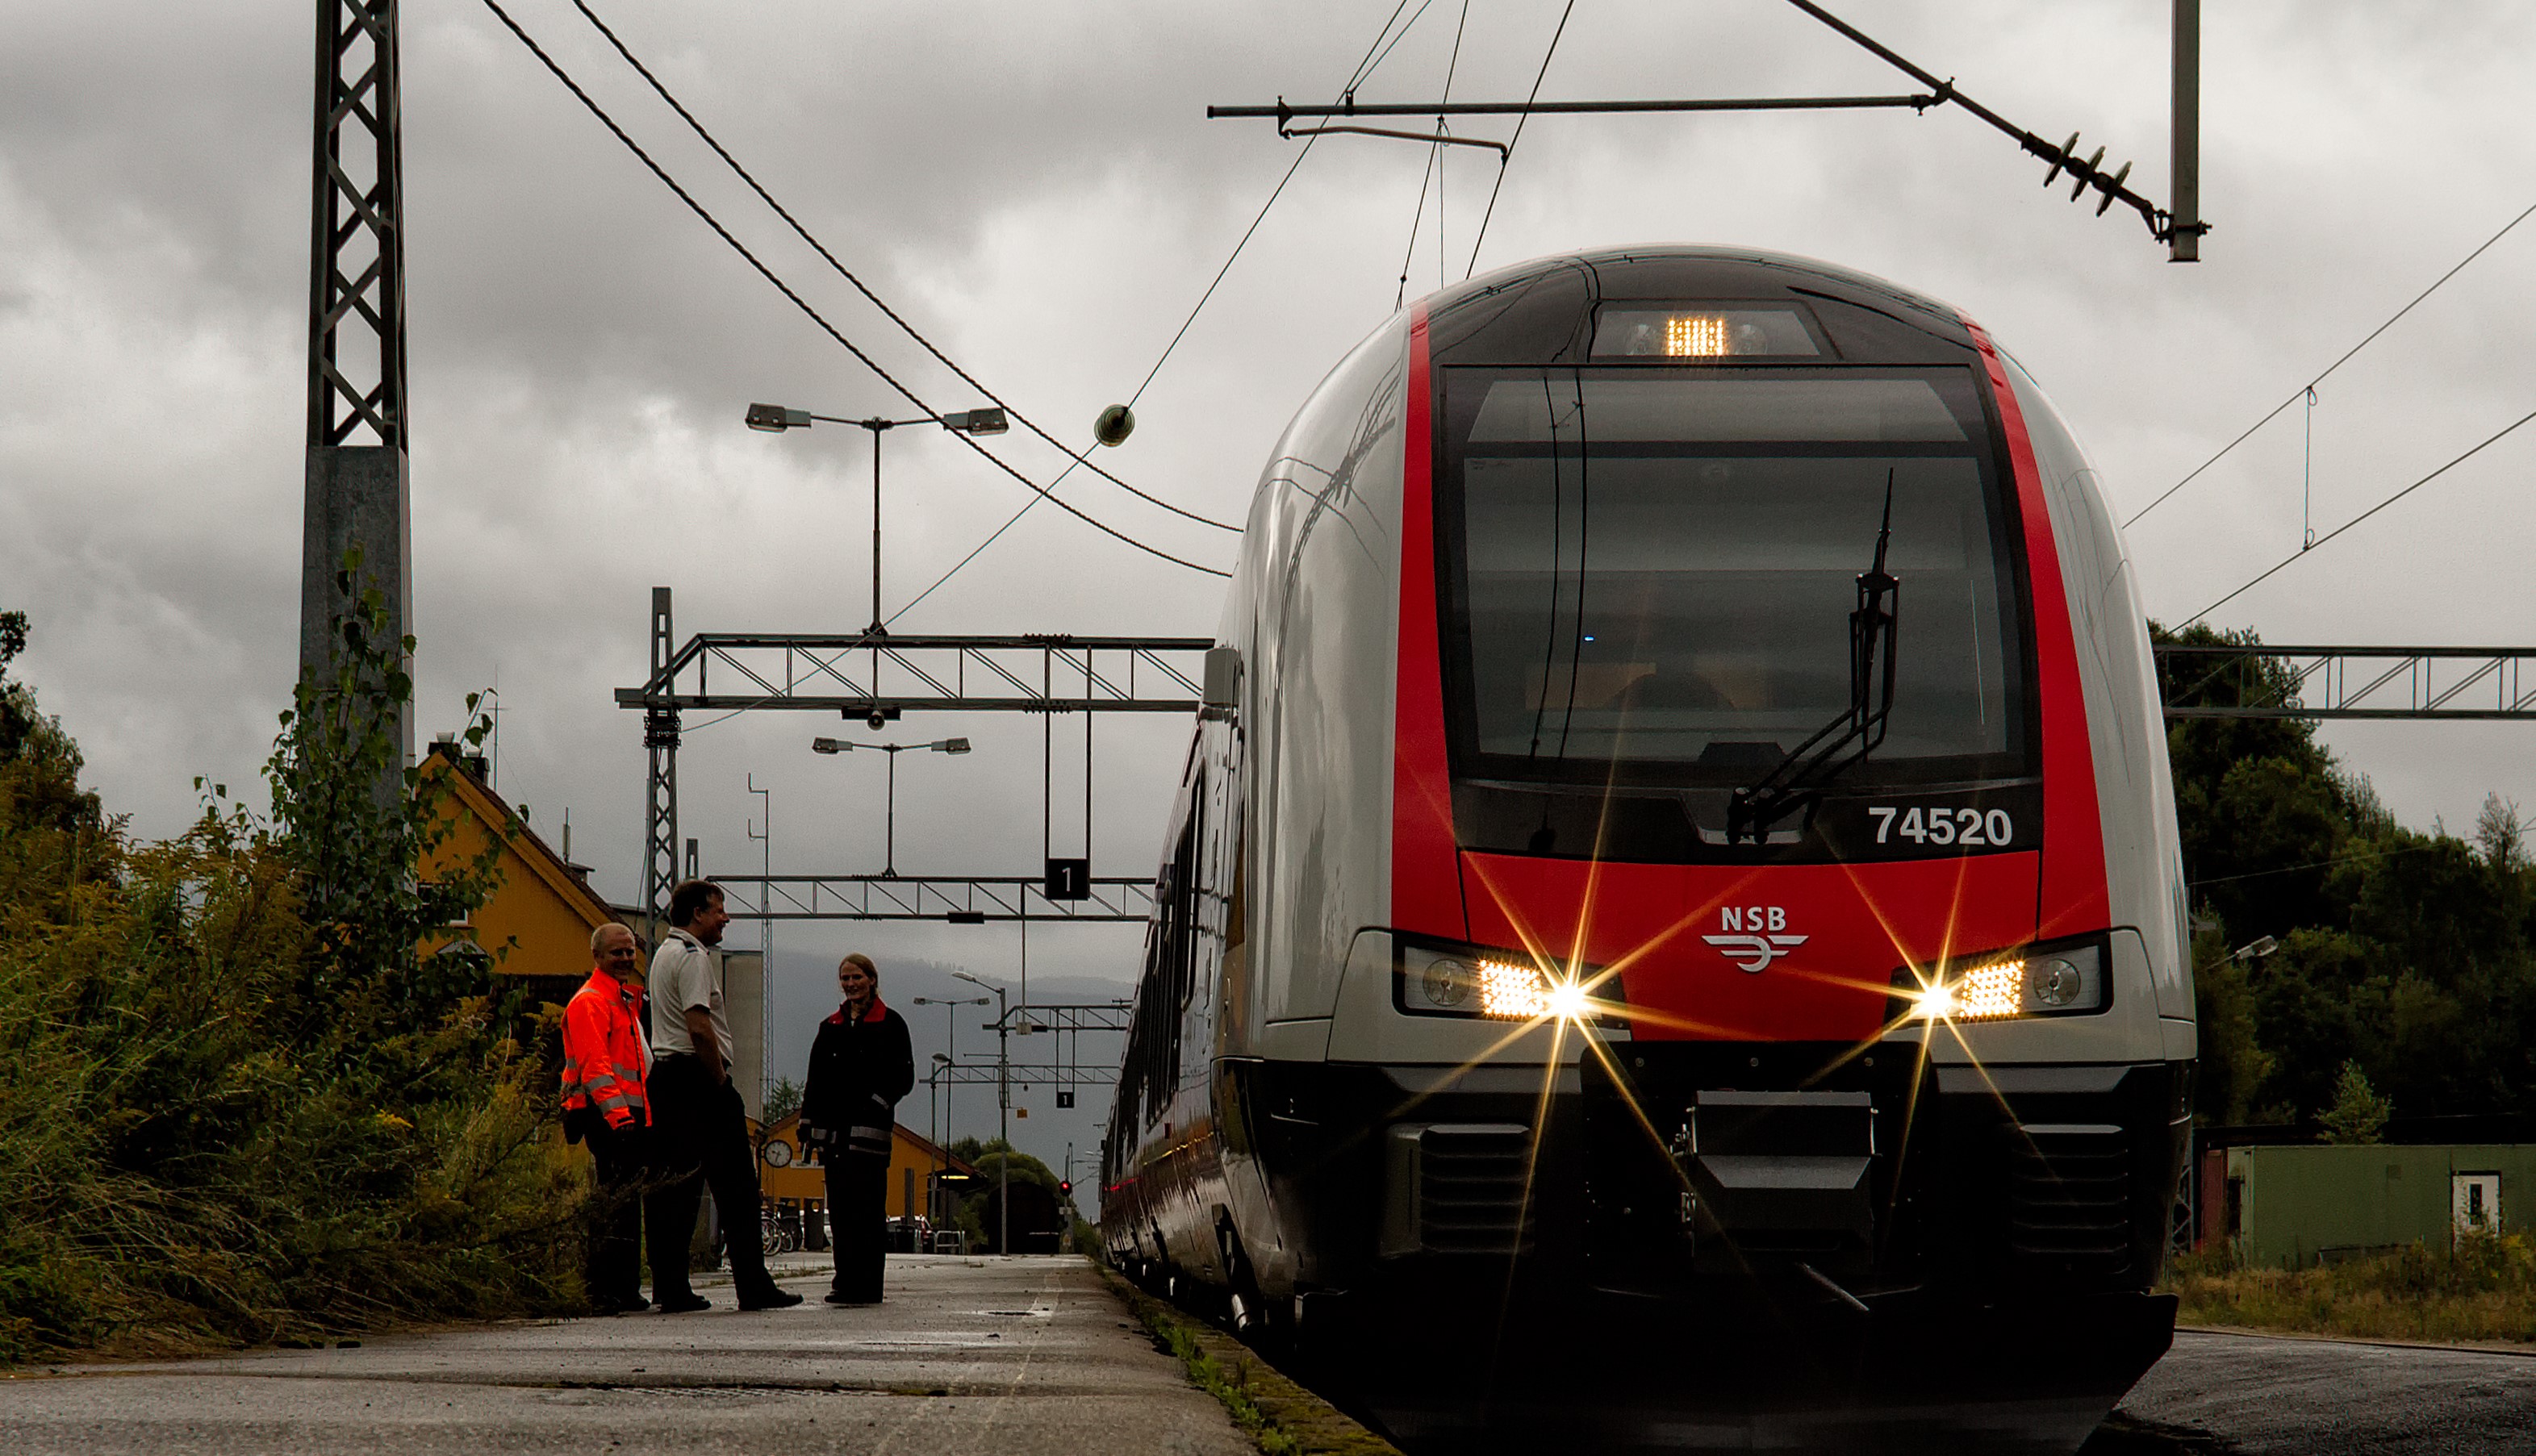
(2184, 210)
(357, 466)
(1004, 1114)
(764, 942)
(951, 1024)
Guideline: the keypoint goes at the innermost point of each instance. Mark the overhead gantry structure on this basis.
(875, 678)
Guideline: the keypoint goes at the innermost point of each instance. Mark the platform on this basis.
(1018, 1356)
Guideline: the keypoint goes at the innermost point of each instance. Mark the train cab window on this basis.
(1652, 569)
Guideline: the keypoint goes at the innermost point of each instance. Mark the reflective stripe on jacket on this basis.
(604, 1058)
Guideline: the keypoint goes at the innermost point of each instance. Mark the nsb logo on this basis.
(1762, 938)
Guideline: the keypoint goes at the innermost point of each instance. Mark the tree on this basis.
(354, 847)
(783, 1099)
(2501, 833)
(2358, 1113)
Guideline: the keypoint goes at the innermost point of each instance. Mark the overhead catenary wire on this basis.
(1079, 457)
(2257, 874)
(1432, 171)
(1364, 67)
(1507, 156)
(2487, 441)
(2307, 388)
(803, 304)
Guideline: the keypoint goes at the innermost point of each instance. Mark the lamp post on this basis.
(951, 1023)
(776, 418)
(846, 745)
(933, 1182)
(1004, 1114)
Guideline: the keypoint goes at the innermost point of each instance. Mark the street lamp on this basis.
(953, 1022)
(776, 418)
(1003, 1110)
(846, 745)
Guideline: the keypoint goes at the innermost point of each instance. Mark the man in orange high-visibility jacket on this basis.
(606, 1066)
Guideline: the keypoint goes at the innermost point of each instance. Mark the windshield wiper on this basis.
(1843, 742)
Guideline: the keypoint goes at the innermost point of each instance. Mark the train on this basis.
(1673, 917)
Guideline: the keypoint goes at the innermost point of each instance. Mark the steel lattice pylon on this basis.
(356, 300)
(357, 504)
(661, 797)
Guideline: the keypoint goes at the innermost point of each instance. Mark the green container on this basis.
(2291, 1207)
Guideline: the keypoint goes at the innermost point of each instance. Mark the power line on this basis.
(1364, 67)
(847, 275)
(2302, 391)
(1433, 171)
(1277, 192)
(2257, 874)
(803, 304)
(1508, 155)
(1366, 73)
(2488, 441)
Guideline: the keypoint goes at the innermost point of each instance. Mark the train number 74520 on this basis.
(1943, 826)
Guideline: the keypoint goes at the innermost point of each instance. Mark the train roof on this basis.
(1543, 311)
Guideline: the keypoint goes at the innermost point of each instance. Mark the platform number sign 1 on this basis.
(1068, 880)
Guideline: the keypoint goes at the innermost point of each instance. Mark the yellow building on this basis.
(917, 1164)
(537, 920)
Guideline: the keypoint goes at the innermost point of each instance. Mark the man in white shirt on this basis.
(699, 1124)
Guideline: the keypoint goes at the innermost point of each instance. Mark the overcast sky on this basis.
(1037, 187)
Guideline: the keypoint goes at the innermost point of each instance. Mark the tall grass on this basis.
(2483, 1289)
(216, 1126)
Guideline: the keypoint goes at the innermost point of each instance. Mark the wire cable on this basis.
(1508, 155)
(1009, 523)
(1364, 67)
(803, 304)
(2490, 440)
(1368, 72)
(1079, 457)
(1450, 67)
(1425, 177)
(2304, 389)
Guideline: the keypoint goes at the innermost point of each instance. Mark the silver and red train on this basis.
(1679, 863)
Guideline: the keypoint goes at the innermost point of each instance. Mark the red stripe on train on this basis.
(1426, 887)
(2071, 898)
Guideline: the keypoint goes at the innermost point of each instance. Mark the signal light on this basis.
(1066, 1186)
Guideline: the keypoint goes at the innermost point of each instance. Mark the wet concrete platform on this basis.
(1014, 1357)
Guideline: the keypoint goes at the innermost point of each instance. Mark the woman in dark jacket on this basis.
(861, 1065)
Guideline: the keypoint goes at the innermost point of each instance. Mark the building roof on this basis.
(539, 891)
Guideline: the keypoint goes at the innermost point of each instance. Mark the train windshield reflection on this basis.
(1657, 568)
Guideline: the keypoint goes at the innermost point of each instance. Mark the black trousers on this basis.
(700, 1140)
(614, 1274)
(858, 1222)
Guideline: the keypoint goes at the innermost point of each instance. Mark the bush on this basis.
(2483, 1289)
(236, 1104)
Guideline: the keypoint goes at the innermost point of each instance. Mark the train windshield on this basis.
(1653, 570)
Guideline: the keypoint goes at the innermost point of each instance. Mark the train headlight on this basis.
(1502, 986)
(2055, 980)
(1447, 984)
(1512, 991)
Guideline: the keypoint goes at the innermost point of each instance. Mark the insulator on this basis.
(2112, 187)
